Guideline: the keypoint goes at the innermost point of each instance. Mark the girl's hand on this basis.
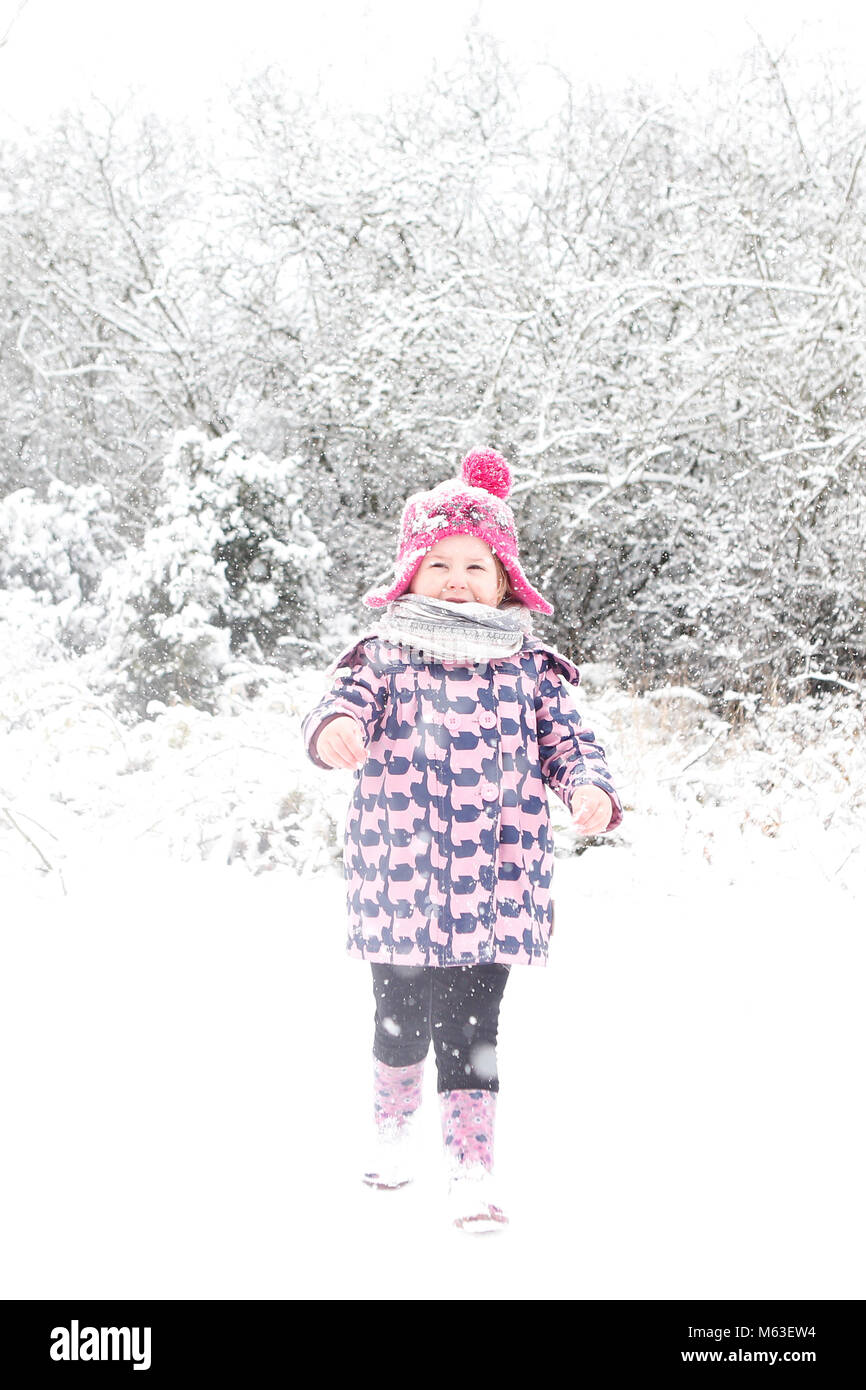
(591, 810)
(340, 743)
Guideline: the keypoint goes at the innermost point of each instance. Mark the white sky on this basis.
(179, 54)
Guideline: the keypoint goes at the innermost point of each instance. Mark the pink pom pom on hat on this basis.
(471, 505)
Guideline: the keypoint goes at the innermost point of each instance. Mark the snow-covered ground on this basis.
(187, 1069)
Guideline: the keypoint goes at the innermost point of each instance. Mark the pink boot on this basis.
(467, 1132)
(397, 1098)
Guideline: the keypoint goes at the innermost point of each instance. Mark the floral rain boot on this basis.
(467, 1133)
(397, 1098)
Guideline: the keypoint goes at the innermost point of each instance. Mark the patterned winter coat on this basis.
(448, 851)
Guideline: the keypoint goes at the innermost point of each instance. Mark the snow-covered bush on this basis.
(230, 571)
(56, 545)
(53, 552)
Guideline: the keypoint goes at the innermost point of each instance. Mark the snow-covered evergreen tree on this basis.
(230, 572)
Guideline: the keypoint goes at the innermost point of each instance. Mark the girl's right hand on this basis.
(340, 743)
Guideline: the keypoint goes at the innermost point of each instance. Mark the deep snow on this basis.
(188, 1077)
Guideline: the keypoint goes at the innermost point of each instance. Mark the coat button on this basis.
(452, 721)
(489, 791)
(487, 719)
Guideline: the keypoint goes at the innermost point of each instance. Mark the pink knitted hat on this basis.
(472, 505)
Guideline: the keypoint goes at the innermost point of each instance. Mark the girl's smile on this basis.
(460, 569)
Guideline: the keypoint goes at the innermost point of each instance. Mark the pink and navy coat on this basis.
(449, 852)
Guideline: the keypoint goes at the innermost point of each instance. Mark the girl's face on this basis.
(460, 569)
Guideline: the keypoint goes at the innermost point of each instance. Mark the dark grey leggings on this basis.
(457, 1006)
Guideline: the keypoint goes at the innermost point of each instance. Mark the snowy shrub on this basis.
(230, 571)
(299, 830)
(31, 631)
(54, 549)
(55, 546)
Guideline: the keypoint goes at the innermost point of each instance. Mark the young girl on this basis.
(454, 718)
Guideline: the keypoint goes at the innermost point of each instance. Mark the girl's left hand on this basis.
(591, 810)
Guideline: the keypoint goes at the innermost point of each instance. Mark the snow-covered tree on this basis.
(229, 573)
(652, 303)
(104, 329)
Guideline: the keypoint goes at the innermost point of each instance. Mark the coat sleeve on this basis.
(570, 756)
(358, 690)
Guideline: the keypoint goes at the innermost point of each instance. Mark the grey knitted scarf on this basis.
(436, 630)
